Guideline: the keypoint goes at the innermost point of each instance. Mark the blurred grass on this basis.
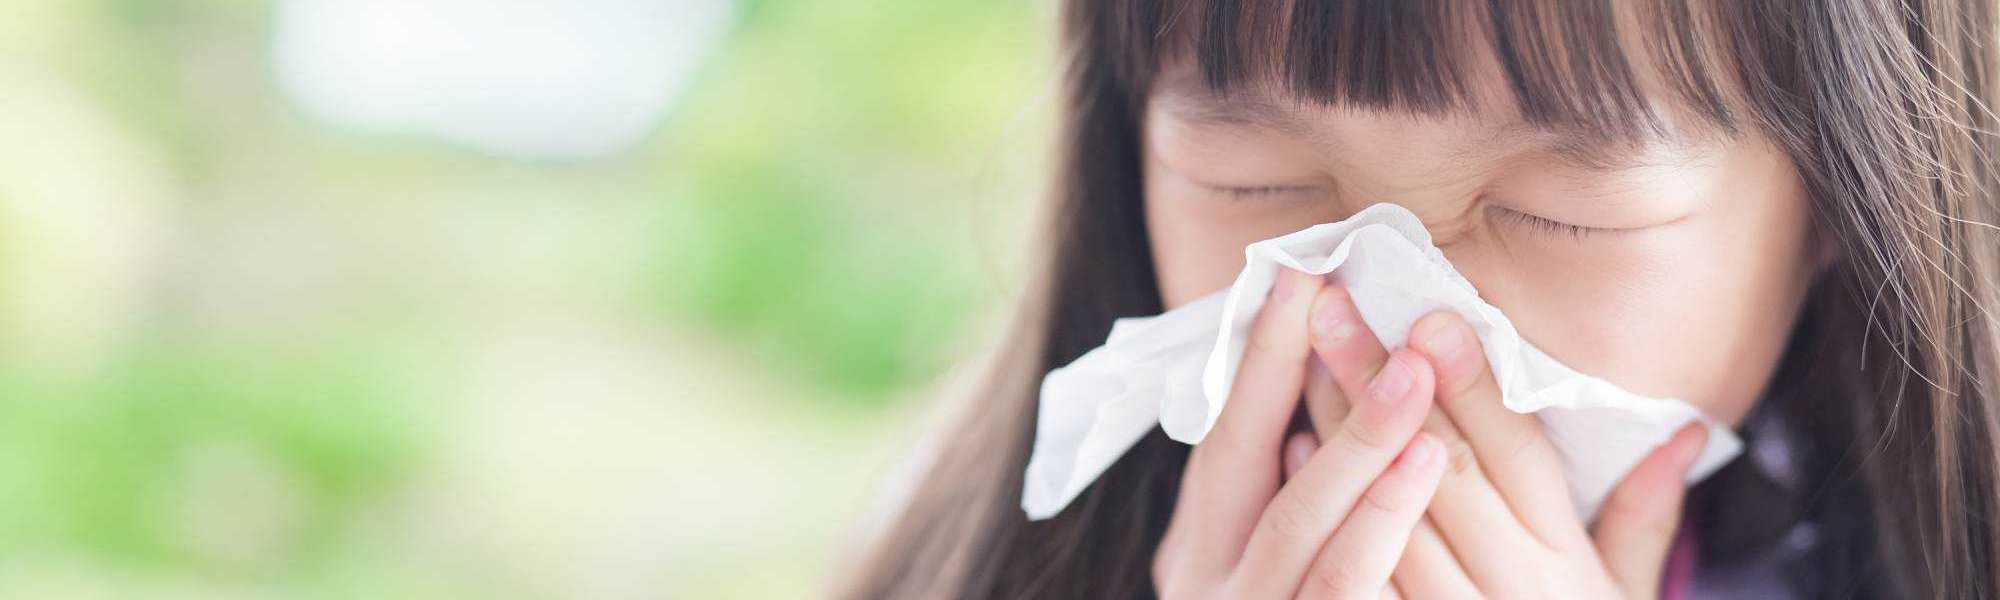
(244, 354)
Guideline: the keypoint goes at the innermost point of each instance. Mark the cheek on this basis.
(1699, 311)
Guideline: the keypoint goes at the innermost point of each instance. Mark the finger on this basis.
(1298, 520)
(1428, 568)
(1325, 405)
(1298, 449)
(1358, 560)
(1512, 451)
(1233, 473)
(1487, 540)
(1344, 343)
(1637, 526)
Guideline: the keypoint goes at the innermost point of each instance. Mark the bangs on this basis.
(1577, 65)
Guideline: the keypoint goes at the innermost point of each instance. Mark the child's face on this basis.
(1686, 284)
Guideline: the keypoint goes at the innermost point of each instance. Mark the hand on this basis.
(1502, 524)
(1337, 525)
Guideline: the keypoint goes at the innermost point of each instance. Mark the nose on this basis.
(1451, 219)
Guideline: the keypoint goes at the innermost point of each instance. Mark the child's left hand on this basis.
(1502, 523)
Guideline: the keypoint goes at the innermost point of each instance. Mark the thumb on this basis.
(1636, 527)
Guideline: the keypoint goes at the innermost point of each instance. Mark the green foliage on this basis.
(95, 462)
(807, 217)
(820, 155)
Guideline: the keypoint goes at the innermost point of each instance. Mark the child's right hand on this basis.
(1333, 523)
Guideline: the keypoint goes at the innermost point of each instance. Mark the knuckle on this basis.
(1361, 438)
(1463, 461)
(1387, 498)
(1459, 385)
(1336, 577)
(1463, 379)
(1291, 518)
(1258, 342)
(1470, 369)
(1525, 447)
(1516, 449)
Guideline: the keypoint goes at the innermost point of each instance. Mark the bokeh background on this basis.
(490, 298)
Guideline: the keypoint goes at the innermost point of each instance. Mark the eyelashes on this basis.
(1544, 226)
(1265, 191)
(1537, 225)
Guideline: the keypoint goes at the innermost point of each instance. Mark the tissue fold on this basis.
(1174, 370)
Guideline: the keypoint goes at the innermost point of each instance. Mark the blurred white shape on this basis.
(82, 224)
(519, 78)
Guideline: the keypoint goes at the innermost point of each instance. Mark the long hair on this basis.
(1888, 380)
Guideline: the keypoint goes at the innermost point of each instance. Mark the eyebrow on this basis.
(1579, 149)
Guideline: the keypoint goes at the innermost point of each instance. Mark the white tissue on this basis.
(1175, 368)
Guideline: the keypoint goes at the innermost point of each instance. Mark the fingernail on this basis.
(1692, 451)
(1392, 382)
(1332, 323)
(1443, 337)
(1421, 452)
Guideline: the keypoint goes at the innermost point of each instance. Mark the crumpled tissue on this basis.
(1175, 368)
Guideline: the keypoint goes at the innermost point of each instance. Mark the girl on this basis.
(1781, 212)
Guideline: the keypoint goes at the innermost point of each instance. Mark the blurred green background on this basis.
(254, 347)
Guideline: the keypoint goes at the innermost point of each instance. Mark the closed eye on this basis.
(1546, 226)
(1264, 191)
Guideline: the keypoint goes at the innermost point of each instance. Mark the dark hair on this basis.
(1888, 380)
